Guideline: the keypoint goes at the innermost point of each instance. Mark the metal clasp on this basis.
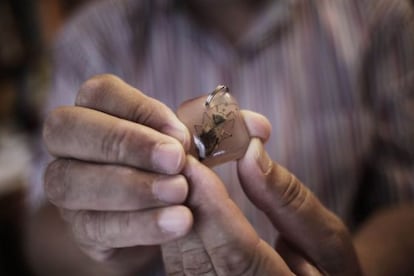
(219, 89)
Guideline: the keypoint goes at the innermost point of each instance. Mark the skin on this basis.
(122, 181)
(385, 243)
(109, 158)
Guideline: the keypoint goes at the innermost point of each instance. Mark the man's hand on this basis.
(313, 241)
(311, 237)
(116, 173)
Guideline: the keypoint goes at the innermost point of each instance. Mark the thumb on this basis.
(227, 238)
(296, 213)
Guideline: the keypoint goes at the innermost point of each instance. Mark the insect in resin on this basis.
(214, 129)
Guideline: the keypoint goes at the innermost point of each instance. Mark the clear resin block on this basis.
(217, 127)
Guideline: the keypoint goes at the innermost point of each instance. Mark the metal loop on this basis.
(219, 88)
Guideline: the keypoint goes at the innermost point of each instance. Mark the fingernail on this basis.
(170, 189)
(174, 219)
(262, 158)
(169, 158)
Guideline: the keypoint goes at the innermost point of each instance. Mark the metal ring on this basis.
(219, 88)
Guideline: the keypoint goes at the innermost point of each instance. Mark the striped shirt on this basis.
(334, 77)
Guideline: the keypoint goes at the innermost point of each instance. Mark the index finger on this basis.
(89, 135)
(111, 95)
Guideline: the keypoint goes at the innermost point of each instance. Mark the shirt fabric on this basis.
(334, 77)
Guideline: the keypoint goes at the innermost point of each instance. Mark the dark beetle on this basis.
(213, 130)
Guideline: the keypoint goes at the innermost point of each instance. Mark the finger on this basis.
(80, 133)
(126, 229)
(296, 212)
(229, 239)
(257, 125)
(110, 94)
(77, 185)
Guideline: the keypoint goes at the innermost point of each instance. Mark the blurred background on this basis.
(27, 30)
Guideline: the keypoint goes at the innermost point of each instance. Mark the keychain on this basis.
(217, 127)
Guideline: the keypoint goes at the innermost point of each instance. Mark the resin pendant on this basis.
(217, 127)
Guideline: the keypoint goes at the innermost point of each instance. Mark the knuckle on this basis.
(295, 195)
(148, 111)
(92, 90)
(124, 222)
(89, 227)
(143, 111)
(55, 181)
(129, 176)
(104, 229)
(138, 184)
(115, 142)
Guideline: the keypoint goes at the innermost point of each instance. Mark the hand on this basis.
(115, 177)
(312, 241)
